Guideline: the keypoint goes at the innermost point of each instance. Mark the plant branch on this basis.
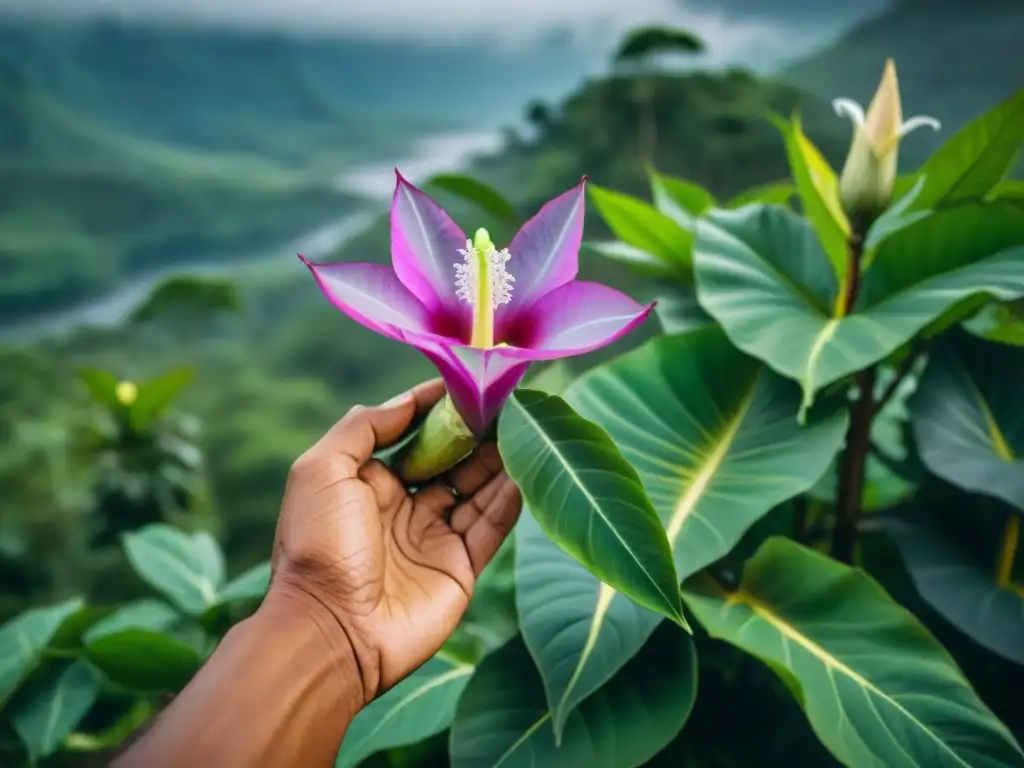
(852, 469)
(856, 250)
(853, 463)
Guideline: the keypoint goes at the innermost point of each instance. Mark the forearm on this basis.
(280, 690)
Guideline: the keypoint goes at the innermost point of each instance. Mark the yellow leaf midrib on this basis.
(791, 633)
(684, 507)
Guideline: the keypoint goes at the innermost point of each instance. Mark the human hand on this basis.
(389, 572)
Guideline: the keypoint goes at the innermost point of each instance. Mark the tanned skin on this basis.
(368, 582)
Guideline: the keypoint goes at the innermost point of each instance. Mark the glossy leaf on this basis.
(177, 564)
(761, 273)
(251, 585)
(818, 188)
(44, 715)
(998, 323)
(23, 639)
(682, 201)
(491, 618)
(777, 193)
(156, 396)
(144, 660)
(102, 386)
(552, 379)
(150, 614)
(679, 311)
(640, 225)
(483, 196)
(967, 417)
(588, 499)
(503, 720)
(875, 685)
(961, 587)
(420, 706)
(971, 163)
(713, 435)
(638, 260)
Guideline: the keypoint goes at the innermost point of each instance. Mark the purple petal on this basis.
(425, 245)
(372, 295)
(479, 381)
(577, 318)
(545, 252)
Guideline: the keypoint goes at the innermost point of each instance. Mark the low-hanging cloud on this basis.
(512, 23)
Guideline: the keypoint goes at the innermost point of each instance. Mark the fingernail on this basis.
(397, 400)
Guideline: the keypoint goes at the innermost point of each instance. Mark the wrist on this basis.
(341, 658)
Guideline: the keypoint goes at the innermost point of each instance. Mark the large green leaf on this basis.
(679, 311)
(420, 706)
(251, 585)
(50, 709)
(959, 585)
(23, 639)
(102, 386)
(876, 686)
(182, 566)
(144, 660)
(503, 719)
(967, 417)
(971, 163)
(761, 273)
(713, 436)
(818, 188)
(776, 193)
(148, 614)
(638, 260)
(640, 225)
(155, 397)
(682, 201)
(588, 499)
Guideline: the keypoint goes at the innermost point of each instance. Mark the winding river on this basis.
(430, 155)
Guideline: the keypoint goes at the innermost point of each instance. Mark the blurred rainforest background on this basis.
(162, 162)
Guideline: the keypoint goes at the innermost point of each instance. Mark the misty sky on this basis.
(737, 36)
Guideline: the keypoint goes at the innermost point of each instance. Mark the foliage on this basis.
(822, 451)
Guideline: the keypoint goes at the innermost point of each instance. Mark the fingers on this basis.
(465, 480)
(485, 520)
(364, 430)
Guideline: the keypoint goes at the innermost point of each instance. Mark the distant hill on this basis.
(232, 89)
(955, 58)
(81, 206)
(211, 90)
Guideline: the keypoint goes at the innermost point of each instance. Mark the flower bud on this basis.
(869, 174)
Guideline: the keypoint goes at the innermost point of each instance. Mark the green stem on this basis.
(853, 463)
(442, 442)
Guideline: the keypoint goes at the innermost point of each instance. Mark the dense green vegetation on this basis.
(273, 375)
(957, 58)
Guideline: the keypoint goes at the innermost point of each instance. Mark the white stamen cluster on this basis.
(467, 275)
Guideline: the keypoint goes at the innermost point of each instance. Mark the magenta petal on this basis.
(545, 252)
(372, 295)
(478, 381)
(579, 317)
(425, 245)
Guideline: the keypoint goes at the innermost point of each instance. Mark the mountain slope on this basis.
(82, 207)
(956, 59)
